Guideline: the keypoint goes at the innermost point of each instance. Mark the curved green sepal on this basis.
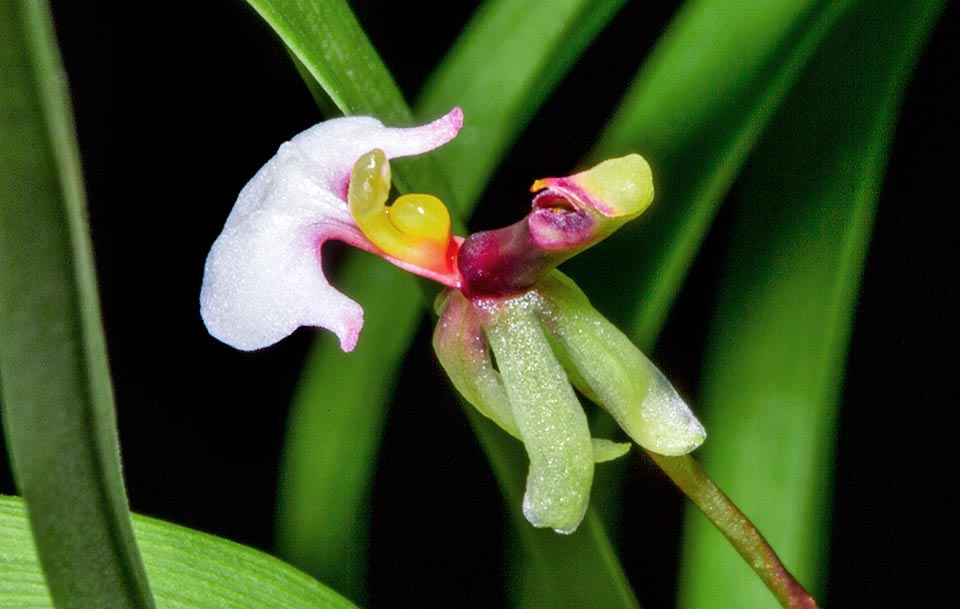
(462, 349)
(549, 416)
(610, 370)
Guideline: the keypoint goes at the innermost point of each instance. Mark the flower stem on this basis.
(690, 478)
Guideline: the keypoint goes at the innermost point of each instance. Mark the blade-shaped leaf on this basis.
(334, 430)
(188, 570)
(778, 342)
(321, 513)
(57, 397)
(505, 64)
(695, 112)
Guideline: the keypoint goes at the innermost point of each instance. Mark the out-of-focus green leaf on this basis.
(188, 570)
(505, 64)
(695, 114)
(778, 342)
(57, 397)
(326, 38)
(328, 109)
(334, 430)
(695, 110)
(335, 427)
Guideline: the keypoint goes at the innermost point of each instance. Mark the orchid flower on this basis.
(515, 336)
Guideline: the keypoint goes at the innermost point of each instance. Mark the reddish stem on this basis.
(690, 478)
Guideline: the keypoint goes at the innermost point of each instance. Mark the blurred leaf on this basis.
(188, 570)
(695, 114)
(505, 64)
(695, 110)
(499, 94)
(335, 428)
(57, 397)
(778, 342)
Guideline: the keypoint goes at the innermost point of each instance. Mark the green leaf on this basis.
(778, 342)
(581, 570)
(694, 111)
(695, 115)
(334, 431)
(504, 65)
(331, 447)
(188, 570)
(326, 40)
(56, 393)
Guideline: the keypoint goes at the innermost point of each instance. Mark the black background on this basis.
(171, 104)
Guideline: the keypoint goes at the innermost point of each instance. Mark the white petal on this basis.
(263, 278)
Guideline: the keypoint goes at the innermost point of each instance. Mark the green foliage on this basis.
(695, 112)
(503, 67)
(330, 451)
(187, 569)
(778, 341)
(338, 413)
(56, 393)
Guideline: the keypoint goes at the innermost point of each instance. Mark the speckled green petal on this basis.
(614, 373)
(549, 416)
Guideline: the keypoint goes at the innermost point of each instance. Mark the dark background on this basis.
(171, 121)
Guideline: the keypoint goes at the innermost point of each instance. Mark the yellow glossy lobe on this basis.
(415, 229)
(421, 216)
(369, 186)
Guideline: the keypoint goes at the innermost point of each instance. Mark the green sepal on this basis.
(611, 371)
(548, 414)
(464, 354)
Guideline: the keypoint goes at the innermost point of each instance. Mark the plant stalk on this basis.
(690, 478)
